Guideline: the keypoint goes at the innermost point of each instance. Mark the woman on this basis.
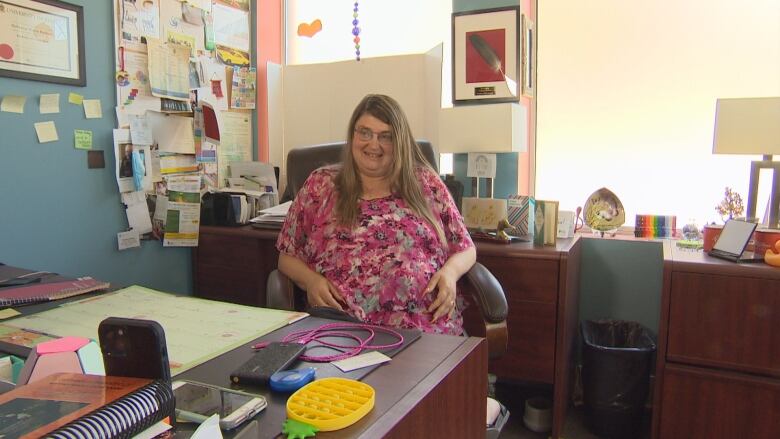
(378, 235)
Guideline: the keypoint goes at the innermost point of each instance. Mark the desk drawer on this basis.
(228, 251)
(530, 355)
(525, 278)
(725, 321)
(701, 403)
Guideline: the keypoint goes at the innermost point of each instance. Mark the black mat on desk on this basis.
(325, 370)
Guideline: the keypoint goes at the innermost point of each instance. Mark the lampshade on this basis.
(747, 126)
(491, 128)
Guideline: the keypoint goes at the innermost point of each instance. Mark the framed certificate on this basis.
(42, 40)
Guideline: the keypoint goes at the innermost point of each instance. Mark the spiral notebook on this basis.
(44, 292)
(84, 406)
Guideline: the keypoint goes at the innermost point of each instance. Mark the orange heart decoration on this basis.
(309, 30)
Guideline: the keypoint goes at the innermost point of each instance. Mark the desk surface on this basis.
(410, 390)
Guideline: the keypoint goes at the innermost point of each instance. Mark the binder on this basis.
(85, 406)
(44, 292)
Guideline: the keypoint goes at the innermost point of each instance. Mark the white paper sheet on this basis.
(127, 240)
(140, 132)
(172, 133)
(231, 27)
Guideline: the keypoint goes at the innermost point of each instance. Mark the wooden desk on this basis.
(718, 369)
(436, 387)
(541, 285)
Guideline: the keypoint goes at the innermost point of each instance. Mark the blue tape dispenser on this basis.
(291, 380)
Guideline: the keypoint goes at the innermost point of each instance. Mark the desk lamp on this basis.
(751, 126)
(490, 128)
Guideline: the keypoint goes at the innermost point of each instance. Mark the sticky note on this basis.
(82, 139)
(92, 109)
(50, 103)
(75, 98)
(46, 131)
(13, 104)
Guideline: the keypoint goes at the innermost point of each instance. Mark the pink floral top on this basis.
(383, 264)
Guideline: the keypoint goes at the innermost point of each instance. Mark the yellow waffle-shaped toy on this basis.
(331, 403)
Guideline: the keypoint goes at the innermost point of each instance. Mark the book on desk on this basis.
(19, 286)
(76, 405)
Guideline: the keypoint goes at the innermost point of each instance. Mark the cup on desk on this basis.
(710, 234)
(764, 239)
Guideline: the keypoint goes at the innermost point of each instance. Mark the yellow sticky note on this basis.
(46, 131)
(92, 109)
(13, 104)
(75, 98)
(8, 313)
(82, 139)
(50, 103)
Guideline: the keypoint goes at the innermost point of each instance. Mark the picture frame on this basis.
(486, 56)
(43, 40)
(529, 57)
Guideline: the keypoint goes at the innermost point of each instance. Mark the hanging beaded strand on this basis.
(356, 31)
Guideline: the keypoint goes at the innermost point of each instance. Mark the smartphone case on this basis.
(134, 348)
(271, 359)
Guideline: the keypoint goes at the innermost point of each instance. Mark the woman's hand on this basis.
(321, 292)
(443, 281)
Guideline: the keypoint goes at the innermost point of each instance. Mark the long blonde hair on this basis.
(406, 156)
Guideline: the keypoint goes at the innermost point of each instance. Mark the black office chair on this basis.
(489, 321)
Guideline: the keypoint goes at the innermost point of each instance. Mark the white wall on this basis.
(626, 99)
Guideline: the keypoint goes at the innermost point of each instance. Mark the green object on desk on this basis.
(298, 430)
(16, 367)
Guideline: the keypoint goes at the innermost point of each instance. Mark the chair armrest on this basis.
(489, 294)
(280, 292)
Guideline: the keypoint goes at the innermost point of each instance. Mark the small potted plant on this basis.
(730, 207)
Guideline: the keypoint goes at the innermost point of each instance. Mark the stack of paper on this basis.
(273, 217)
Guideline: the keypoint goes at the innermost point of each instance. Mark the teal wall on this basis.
(621, 279)
(505, 183)
(57, 215)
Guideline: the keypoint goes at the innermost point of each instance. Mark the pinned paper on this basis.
(92, 109)
(82, 139)
(75, 98)
(13, 104)
(50, 103)
(140, 132)
(47, 132)
(128, 239)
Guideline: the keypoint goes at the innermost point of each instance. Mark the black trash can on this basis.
(617, 359)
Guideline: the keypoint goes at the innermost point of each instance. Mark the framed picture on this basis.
(486, 54)
(42, 40)
(529, 41)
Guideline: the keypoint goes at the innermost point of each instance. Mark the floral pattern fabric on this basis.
(383, 264)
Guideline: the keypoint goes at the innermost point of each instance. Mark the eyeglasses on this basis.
(384, 138)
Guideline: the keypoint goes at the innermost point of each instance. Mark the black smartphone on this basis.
(266, 362)
(134, 348)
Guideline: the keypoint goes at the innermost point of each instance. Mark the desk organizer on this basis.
(331, 403)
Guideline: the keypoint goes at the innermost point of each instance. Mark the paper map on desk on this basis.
(196, 330)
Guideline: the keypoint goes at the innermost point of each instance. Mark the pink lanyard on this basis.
(331, 330)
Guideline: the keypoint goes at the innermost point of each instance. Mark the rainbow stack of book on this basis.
(655, 226)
